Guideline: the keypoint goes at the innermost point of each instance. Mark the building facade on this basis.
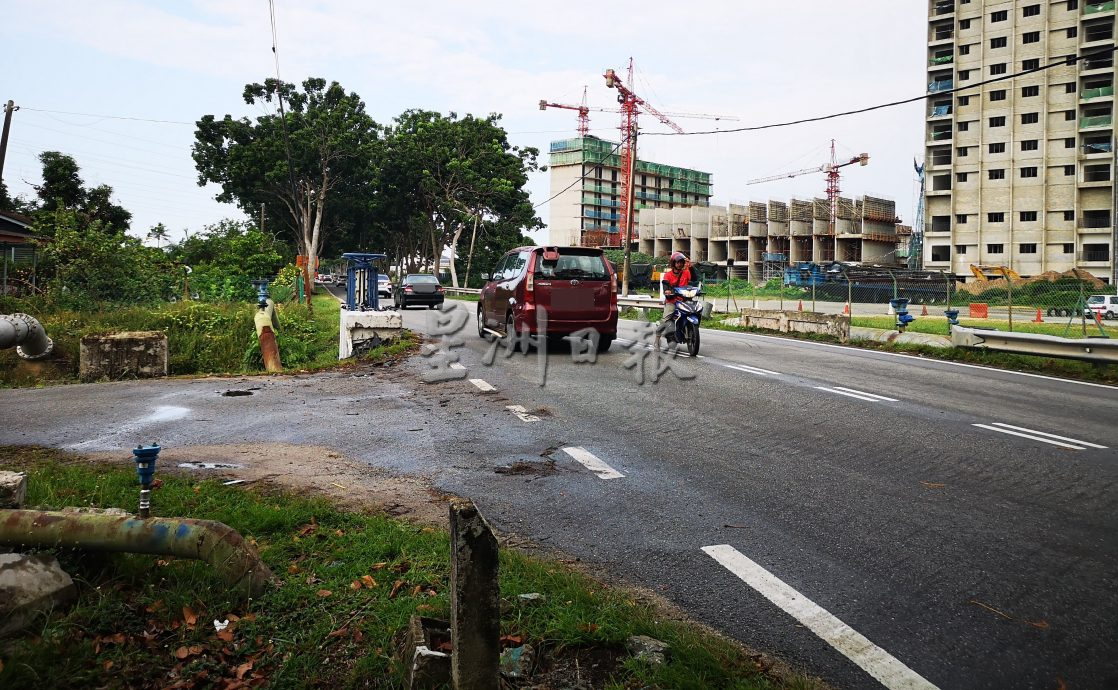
(586, 191)
(1020, 172)
(759, 240)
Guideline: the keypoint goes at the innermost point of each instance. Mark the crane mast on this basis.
(630, 108)
(832, 171)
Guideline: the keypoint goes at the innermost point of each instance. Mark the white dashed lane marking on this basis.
(1042, 436)
(522, 413)
(752, 370)
(482, 385)
(852, 393)
(849, 642)
(592, 463)
(456, 365)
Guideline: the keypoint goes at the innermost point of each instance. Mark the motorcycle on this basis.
(686, 317)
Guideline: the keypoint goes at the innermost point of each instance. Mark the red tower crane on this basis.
(630, 108)
(832, 171)
(583, 112)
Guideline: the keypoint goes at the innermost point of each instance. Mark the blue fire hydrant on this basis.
(952, 316)
(900, 306)
(145, 457)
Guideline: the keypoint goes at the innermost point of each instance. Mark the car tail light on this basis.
(530, 282)
(407, 288)
(440, 289)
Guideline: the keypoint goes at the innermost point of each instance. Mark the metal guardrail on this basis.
(1097, 350)
(463, 291)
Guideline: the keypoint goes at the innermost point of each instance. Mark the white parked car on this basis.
(384, 286)
(1105, 306)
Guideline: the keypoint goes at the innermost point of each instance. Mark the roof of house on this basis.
(15, 228)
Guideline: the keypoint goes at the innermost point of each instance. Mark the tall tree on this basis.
(61, 182)
(461, 173)
(296, 163)
(158, 232)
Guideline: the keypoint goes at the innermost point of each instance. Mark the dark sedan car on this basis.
(419, 289)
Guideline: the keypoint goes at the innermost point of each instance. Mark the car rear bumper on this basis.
(526, 317)
(419, 298)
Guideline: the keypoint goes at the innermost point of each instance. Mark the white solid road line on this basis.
(522, 413)
(752, 370)
(457, 365)
(872, 659)
(1043, 433)
(482, 384)
(592, 462)
(850, 393)
(1039, 436)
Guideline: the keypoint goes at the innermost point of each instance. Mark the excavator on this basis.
(984, 272)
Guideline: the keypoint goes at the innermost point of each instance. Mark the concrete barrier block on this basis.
(29, 586)
(13, 489)
(117, 356)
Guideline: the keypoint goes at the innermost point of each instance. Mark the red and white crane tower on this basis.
(583, 112)
(832, 171)
(631, 104)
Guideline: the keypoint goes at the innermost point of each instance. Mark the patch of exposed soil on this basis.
(315, 470)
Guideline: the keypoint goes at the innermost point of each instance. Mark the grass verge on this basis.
(1049, 366)
(939, 326)
(202, 338)
(349, 583)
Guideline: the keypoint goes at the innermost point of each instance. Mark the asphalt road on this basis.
(837, 507)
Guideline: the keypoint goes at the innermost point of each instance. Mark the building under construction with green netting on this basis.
(586, 186)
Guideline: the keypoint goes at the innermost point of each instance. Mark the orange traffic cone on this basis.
(801, 305)
(846, 309)
(924, 311)
(1039, 318)
(1098, 317)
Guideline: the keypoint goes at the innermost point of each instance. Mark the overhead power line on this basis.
(109, 117)
(580, 179)
(1069, 60)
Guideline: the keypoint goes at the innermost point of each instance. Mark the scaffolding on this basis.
(801, 210)
(758, 212)
(773, 265)
(778, 211)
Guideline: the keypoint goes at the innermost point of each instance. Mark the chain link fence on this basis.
(1067, 305)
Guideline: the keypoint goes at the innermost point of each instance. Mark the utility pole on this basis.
(9, 108)
(261, 217)
(628, 238)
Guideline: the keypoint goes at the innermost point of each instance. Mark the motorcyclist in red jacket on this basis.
(680, 275)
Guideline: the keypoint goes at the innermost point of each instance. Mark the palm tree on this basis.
(158, 233)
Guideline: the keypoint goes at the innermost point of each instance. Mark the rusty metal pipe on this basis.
(27, 334)
(206, 540)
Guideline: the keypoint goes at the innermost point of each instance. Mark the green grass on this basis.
(1048, 366)
(202, 338)
(938, 325)
(130, 626)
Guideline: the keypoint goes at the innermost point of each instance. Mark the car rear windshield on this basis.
(573, 266)
(421, 279)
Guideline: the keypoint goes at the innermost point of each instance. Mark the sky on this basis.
(89, 78)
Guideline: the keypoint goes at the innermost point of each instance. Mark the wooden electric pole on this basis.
(9, 108)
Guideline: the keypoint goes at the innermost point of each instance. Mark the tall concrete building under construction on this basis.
(586, 191)
(1021, 172)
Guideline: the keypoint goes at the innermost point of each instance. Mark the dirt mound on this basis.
(979, 286)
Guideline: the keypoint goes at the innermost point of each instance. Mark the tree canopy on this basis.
(295, 164)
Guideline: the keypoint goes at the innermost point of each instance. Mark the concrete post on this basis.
(475, 610)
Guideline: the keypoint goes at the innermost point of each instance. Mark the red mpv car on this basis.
(575, 285)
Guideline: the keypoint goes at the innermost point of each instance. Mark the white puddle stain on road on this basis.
(163, 413)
